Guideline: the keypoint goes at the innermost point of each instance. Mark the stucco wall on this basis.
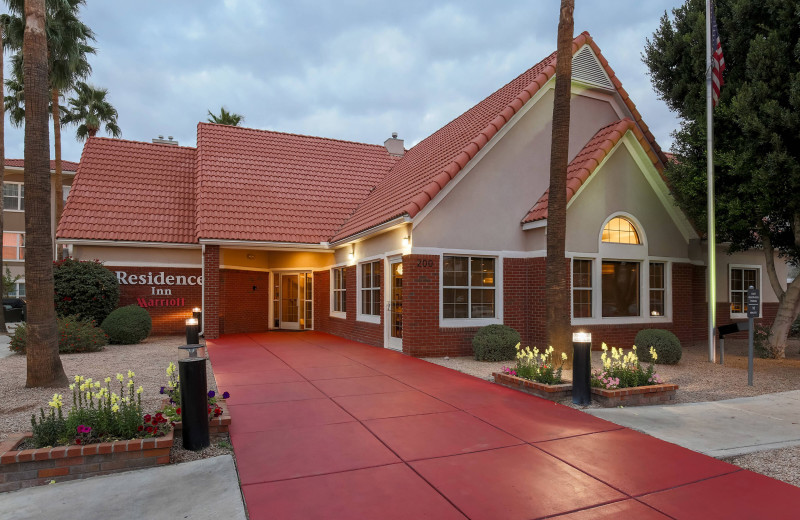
(747, 258)
(139, 255)
(483, 212)
(620, 186)
(391, 240)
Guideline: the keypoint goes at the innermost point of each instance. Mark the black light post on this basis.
(192, 331)
(581, 368)
(197, 314)
(194, 400)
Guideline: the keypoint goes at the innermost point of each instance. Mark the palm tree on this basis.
(558, 298)
(67, 39)
(2, 167)
(44, 364)
(90, 110)
(225, 118)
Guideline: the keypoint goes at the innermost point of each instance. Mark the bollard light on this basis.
(581, 368)
(192, 332)
(194, 401)
(197, 313)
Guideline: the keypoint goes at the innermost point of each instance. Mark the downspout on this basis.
(203, 290)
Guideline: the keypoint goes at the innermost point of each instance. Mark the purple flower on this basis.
(211, 393)
(226, 395)
(162, 390)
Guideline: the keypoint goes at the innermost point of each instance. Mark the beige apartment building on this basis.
(14, 215)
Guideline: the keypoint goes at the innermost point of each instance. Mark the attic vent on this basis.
(586, 69)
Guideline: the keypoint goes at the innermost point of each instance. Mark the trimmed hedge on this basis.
(74, 335)
(127, 325)
(667, 345)
(495, 343)
(85, 289)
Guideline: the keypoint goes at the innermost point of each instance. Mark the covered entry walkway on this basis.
(323, 427)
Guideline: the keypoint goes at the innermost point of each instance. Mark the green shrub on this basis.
(495, 343)
(667, 345)
(761, 346)
(74, 335)
(85, 289)
(127, 325)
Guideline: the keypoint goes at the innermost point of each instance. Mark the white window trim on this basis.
(498, 293)
(16, 289)
(614, 252)
(593, 289)
(332, 291)
(20, 197)
(18, 259)
(743, 315)
(367, 318)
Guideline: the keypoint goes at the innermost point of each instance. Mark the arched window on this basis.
(620, 230)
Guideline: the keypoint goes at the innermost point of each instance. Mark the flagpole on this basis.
(712, 235)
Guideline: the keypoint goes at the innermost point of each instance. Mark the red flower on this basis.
(147, 418)
(77, 441)
(149, 429)
(140, 428)
(178, 410)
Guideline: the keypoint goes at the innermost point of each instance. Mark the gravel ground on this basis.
(701, 381)
(148, 360)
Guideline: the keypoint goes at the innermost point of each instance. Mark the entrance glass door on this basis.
(293, 301)
(394, 308)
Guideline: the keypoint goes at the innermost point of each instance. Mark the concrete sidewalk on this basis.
(719, 428)
(202, 489)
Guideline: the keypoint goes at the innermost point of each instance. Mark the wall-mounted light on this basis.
(250, 256)
(352, 254)
(406, 241)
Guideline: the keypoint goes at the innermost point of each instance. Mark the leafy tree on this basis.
(44, 368)
(85, 289)
(558, 297)
(9, 283)
(756, 128)
(90, 110)
(225, 118)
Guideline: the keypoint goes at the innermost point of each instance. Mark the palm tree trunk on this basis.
(59, 180)
(558, 298)
(44, 363)
(3, 328)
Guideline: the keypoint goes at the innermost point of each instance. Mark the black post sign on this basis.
(753, 306)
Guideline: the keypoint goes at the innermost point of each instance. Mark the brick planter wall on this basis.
(27, 468)
(217, 425)
(637, 396)
(551, 392)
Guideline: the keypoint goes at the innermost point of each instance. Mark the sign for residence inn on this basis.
(160, 287)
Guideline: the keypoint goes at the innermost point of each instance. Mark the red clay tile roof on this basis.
(430, 165)
(588, 159)
(66, 166)
(269, 186)
(128, 190)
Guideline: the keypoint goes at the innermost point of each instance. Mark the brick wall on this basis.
(169, 311)
(244, 301)
(349, 327)
(212, 290)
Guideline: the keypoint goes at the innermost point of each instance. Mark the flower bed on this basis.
(33, 467)
(217, 425)
(637, 396)
(551, 392)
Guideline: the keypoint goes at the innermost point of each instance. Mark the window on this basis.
(371, 288)
(620, 230)
(339, 289)
(17, 291)
(65, 192)
(657, 289)
(620, 288)
(14, 196)
(13, 246)
(740, 279)
(468, 287)
(581, 288)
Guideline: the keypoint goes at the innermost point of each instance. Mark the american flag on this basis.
(717, 59)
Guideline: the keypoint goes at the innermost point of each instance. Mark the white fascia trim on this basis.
(660, 187)
(430, 206)
(536, 224)
(287, 270)
(244, 268)
(438, 251)
(245, 244)
(128, 263)
(127, 243)
(374, 230)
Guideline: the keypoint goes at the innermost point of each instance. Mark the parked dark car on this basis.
(14, 309)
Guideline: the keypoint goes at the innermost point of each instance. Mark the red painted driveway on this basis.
(329, 428)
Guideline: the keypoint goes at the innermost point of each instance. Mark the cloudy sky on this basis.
(355, 70)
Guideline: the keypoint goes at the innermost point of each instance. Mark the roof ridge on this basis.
(305, 136)
(131, 141)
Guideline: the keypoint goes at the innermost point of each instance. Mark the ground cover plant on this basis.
(622, 370)
(74, 335)
(127, 325)
(536, 366)
(99, 413)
